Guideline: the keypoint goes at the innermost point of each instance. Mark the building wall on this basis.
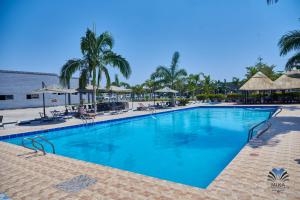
(20, 84)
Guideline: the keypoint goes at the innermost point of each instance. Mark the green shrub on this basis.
(216, 97)
(182, 101)
(234, 97)
(202, 97)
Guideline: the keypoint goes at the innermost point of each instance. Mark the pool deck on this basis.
(23, 176)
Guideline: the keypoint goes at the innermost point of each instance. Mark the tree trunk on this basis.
(94, 99)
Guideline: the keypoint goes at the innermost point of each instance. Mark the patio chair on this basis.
(90, 108)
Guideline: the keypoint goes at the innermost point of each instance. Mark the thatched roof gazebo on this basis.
(285, 82)
(258, 82)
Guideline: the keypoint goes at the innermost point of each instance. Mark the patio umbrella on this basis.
(112, 88)
(285, 82)
(258, 82)
(52, 90)
(166, 90)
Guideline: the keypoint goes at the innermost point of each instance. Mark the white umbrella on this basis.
(112, 88)
(166, 90)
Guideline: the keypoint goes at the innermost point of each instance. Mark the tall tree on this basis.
(207, 84)
(193, 81)
(288, 43)
(119, 83)
(268, 70)
(97, 57)
(168, 75)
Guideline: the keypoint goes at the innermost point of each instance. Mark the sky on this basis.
(220, 38)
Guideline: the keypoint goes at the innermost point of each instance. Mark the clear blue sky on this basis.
(219, 37)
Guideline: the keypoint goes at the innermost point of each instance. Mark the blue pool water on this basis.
(190, 147)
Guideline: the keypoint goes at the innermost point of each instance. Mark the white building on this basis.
(16, 90)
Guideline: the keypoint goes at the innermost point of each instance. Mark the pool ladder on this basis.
(36, 145)
(85, 120)
(265, 122)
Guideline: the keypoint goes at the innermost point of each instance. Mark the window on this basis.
(6, 97)
(32, 96)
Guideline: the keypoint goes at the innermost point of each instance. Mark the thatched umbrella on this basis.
(285, 82)
(258, 82)
(52, 89)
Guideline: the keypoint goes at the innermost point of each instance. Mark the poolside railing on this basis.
(267, 122)
(34, 142)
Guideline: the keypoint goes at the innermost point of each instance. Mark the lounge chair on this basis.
(74, 109)
(85, 115)
(56, 115)
(142, 107)
(6, 123)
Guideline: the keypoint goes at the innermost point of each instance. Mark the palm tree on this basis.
(97, 56)
(119, 83)
(138, 90)
(251, 71)
(192, 83)
(207, 84)
(168, 75)
(288, 43)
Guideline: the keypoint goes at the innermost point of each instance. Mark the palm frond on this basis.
(83, 78)
(175, 60)
(107, 76)
(123, 84)
(180, 73)
(99, 78)
(294, 61)
(105, 40)
(271, 1)
(68, 69)
(117, 61)
(289, 42)
(88, 42)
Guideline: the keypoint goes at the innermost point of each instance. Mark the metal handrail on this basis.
(23, 144)
(250, 132)
(277, 112)
(269, 124)
(85, 120)
(44, 139)
(33, 141)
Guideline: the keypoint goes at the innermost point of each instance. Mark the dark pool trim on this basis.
(5, 137)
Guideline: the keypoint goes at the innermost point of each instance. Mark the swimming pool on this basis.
(190, 146)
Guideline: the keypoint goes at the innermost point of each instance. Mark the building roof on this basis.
(258, 82)
(32, 73)
(285, 82)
